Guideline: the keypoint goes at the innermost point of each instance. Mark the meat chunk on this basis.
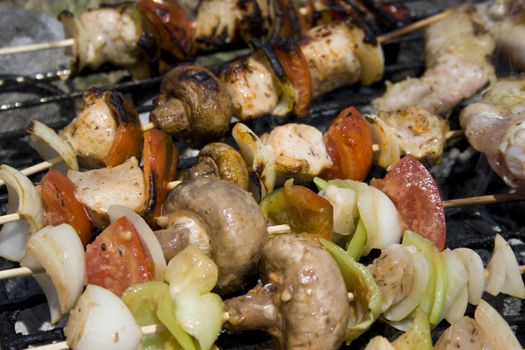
(329, 50)
(299, 151)
(496, 127)
(100, 188)
(216, 23)
(93, 131)
(457, 48)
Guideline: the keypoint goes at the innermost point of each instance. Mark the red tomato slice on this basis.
(349, 144)
(116, 259)
(62, 207)
(416, 196)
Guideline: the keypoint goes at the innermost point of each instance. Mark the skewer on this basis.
(488, 199)
(63, 345)
(70, 42)
(37, 47)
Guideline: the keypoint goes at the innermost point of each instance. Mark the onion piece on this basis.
(344, 202)
(100, 320)
(379, 343)
(23, 199)
(148, 239)
(458, 307)
(257, 156)
(476, 272)
(457, 279)
(379, 215)
(496, 273)
(496, 328)
(513, 284)
(403, 309)
(49, 145)
(389, 152)
(370, 56)
(59, 251)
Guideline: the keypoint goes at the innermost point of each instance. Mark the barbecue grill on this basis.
(463, 172)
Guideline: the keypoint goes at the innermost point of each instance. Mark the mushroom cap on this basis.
(194, 105)
(235, 226)
(221, 160)
(310, 293)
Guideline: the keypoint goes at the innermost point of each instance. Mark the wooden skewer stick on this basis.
(24, 271)
(381, 39)
(4, 219)
(488, 199)
(37, 47)
(63, 345)
(413, 27)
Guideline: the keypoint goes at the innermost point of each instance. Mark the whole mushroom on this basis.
(220, 160)
(193, 105)
(222, 220)
(304, 303)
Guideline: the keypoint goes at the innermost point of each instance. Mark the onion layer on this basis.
(389, 152)
(89, 326)
(457, 281)
(495, 327)
(148, 239)
(513, 284)
(476, 272)
(23, 199)
(60, 252)
(49, 145)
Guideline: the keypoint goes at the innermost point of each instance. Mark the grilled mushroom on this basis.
(193, 105)
(221, 219)
(220, 160)
(304, 304)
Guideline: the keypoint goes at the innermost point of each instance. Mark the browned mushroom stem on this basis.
(221, 219)
(220, 160)
(305, 303)
(193, 105)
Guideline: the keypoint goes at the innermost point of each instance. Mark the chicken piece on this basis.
(419, 133)
(457, 48)
(394, 274)
(100, 188)
(299, 152)
(93, 131)
(464, 334)
(250, 83)
(496, 127)
(104, 35)
(216, 23)
(329, 51)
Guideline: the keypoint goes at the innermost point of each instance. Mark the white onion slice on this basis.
(148, 239)
(457, 278)
(379, 343)
(49, 145)
(257, 156)
(513, 284)
(23, 199)
(380, 217)
(344, 203)
(496, 273)
(476, 272)
(403, 309)
(100, 320)
(458, 307)
(496, 328)
(389, 152)
(59, 251)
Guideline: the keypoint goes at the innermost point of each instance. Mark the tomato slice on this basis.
(349, 144)
(128, 140)
(298, 73)
(172, 26)
(301, 208)
(116, 259)
(160, 163)
(416, 196)
(61, 206)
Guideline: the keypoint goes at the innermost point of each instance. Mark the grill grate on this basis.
(463, 173)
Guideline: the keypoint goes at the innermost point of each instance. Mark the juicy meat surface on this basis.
(496, 127)
(457, 48)
(100, 188)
